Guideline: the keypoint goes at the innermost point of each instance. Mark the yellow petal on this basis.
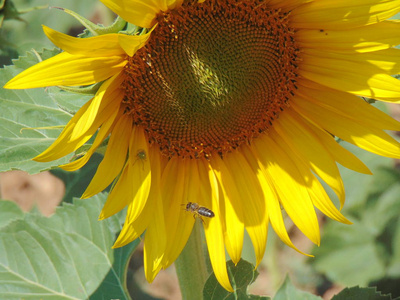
(139, 160)
(387, 60)
(286, 5)
(213, 228)
(126, 236)
(231, 210)
(172, 189)
(141, 12)
(158, 163)
(315, 190)
(321, 201)
(154, 243)
(63, 145)
(342, 14)
(258, 232)
(102, 45)
(184, 186)
(340, 154)
(114, 158)
(273, 206)
(249, 190)
(120, 196)
(132, 230)
(292, 185)
(347, 105)
(133, 186)
(272, 200)
(112, 44)
(132, 43)
(108, 92)
(375, 37)
(301, 140)
(104, 131)
(368, 138)
(156, 237)
(68, 70)
(367, 81)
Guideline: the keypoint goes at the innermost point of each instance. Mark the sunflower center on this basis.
(212, 76)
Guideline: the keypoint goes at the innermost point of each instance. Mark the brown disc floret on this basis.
(212, 76)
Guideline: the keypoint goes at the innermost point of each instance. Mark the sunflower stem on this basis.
(273, 261)
(191, 266)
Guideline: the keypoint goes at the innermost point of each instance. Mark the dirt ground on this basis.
(43, 190)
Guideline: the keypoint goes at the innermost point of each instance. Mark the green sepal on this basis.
(101, 149)
(96, 29)
(132, 29)
(86, 90)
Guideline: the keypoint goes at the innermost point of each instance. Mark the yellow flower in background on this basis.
(233, 105)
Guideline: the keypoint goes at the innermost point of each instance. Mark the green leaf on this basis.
(349, 255)
(383, 207)
(356, 293)
(115, 281)
(384, 178)
(33, 57)
(362, 252)
(23, 111)
(241, 276)
(66, 256)
(289, 291)
(10, 211)
(67, 101)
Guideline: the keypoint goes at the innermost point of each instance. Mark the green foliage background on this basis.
(69, 255)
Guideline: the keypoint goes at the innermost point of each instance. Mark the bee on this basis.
(199, 211)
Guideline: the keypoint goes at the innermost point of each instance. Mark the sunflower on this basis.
(230, 105)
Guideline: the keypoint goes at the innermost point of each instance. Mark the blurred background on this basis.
(366, 253)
